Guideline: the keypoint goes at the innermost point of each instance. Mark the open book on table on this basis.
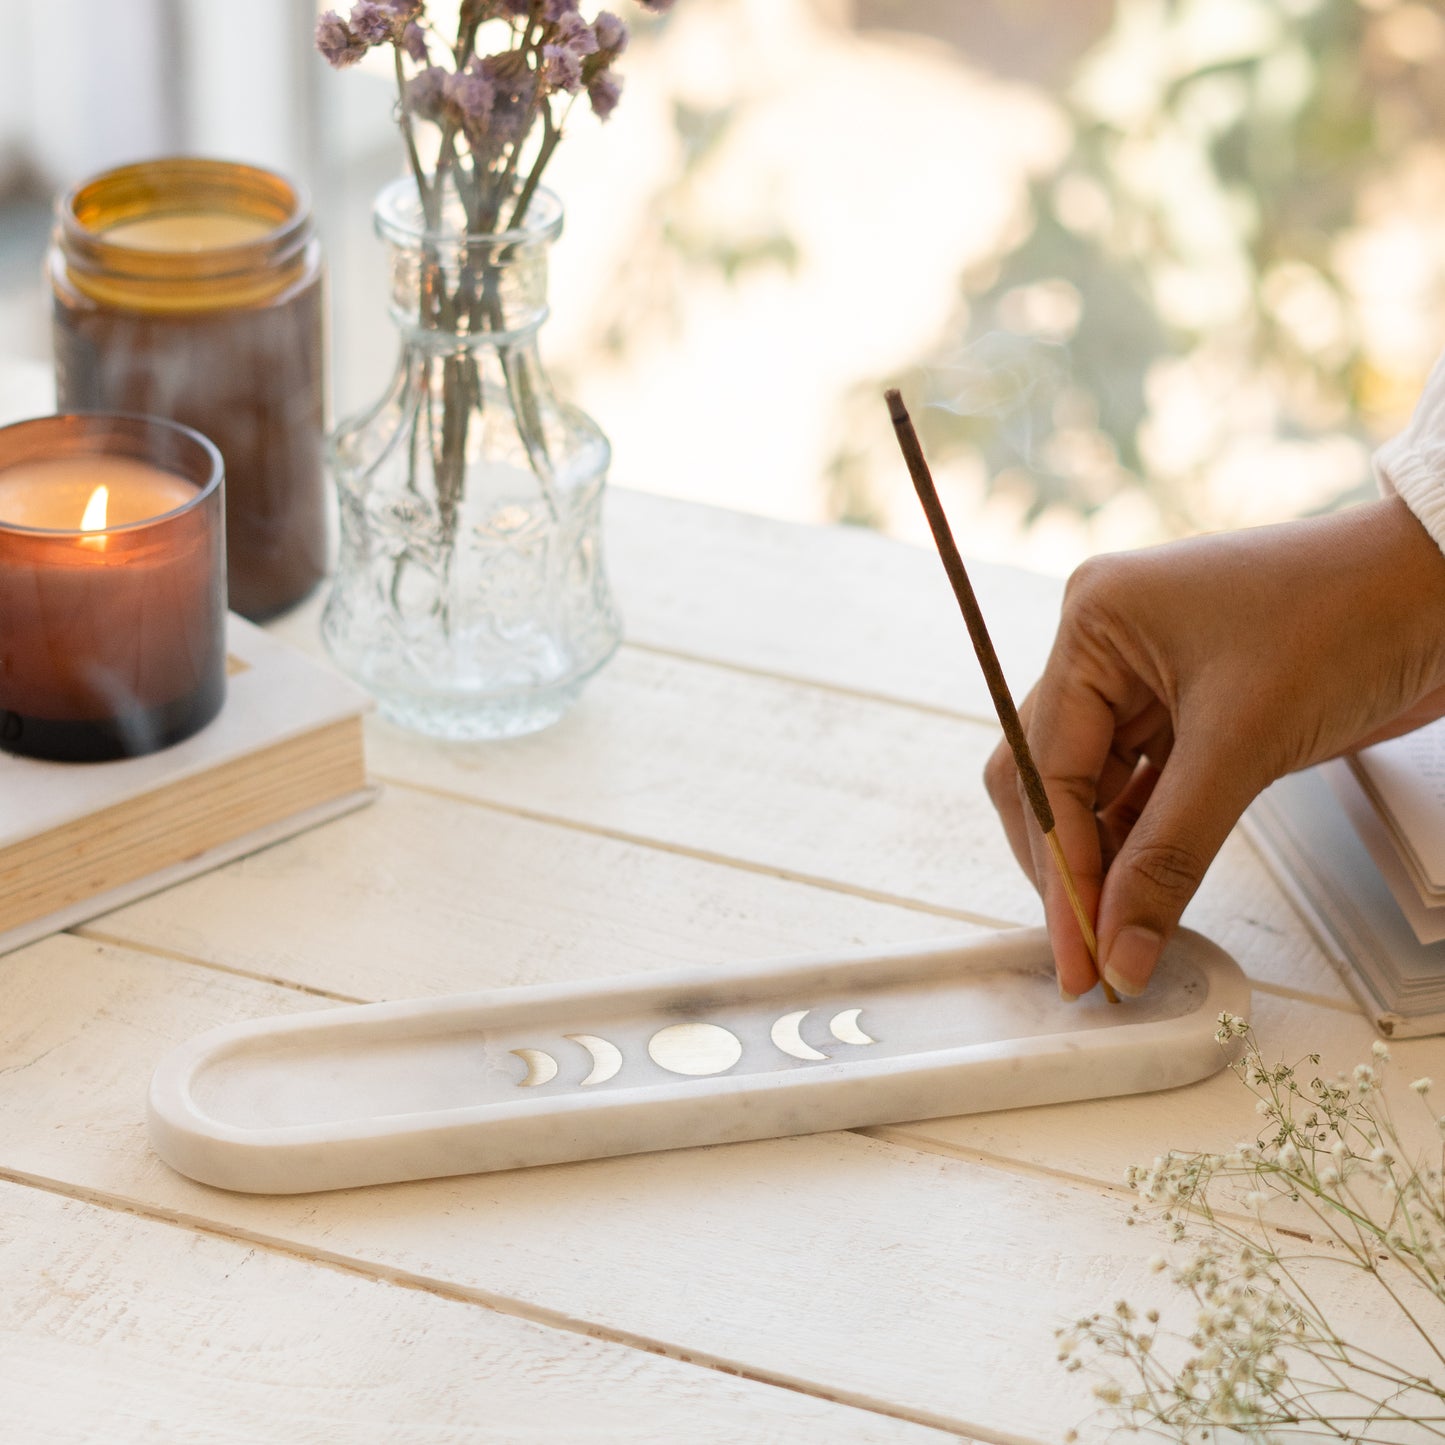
(1359, 844)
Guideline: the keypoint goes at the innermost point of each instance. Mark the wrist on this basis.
(1411, 567)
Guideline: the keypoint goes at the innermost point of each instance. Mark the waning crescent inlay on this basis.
(606, 1057)
(541, 1067)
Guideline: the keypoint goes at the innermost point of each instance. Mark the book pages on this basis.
(1405, 779)
(1427, 922)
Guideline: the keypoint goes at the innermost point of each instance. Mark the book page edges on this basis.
(182, 818)
(280, 694)
(219, 855)
(1402, 777)
(1328, 916)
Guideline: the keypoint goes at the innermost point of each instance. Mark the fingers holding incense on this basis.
(1079, 835)
(1028, 773)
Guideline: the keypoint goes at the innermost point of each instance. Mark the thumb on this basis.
(1197, 801)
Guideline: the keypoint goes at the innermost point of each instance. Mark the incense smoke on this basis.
(1013, 381)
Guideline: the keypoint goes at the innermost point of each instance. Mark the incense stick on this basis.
(988, 660)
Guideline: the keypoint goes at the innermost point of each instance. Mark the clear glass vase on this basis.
(470, 596)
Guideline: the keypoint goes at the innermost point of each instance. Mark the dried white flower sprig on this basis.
(1262, 1356)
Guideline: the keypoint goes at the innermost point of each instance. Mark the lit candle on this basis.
(112, 586)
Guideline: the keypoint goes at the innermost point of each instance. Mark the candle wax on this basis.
(188, 231)
(53, 494)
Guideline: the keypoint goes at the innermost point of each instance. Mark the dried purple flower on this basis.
(370, 23)
(336, 43)
(473, 94)
(576, 34)
(403, 11)
(413, 41)
(604, 90)
(555, 10)
(516, 90)
(561, 68)
(426, 93)
(611, 33)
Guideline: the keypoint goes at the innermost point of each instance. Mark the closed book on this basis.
(1358, 846)
(285, 753)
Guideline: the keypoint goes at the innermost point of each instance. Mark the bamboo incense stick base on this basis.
(1077, 904)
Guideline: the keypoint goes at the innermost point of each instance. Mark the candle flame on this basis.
(95, 510)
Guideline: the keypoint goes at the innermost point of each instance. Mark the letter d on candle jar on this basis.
(112, 586)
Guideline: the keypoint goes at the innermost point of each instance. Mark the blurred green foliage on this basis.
(1197, 234)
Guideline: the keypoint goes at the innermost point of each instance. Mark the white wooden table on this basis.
(784, 757)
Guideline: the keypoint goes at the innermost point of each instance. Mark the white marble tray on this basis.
(383, 1092)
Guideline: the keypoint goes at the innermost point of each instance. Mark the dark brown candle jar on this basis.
(112, 586)
(191, 289)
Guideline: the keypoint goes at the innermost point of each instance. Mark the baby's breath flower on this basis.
(1241, 1280)
(1423, 1086)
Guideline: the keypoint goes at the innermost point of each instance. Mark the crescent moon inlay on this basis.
(606, 1057)
(695, 1049)
(844, 1028)
(541, 1067)
(786, 1036)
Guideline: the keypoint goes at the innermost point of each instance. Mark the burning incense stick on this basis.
(988, 660)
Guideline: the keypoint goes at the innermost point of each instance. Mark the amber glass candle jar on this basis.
(191, 289)
(112, 586)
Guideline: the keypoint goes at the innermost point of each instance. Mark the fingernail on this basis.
(1132, 959)
(1067, 996)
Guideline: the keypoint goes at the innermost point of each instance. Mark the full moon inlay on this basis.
(695, 1049)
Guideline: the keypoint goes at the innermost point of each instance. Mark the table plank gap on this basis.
(509, 1306)
(986, 718)
(93, 934)
(702, 855)
(1299, 995)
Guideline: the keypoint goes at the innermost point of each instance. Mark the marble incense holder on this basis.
(375, 1093)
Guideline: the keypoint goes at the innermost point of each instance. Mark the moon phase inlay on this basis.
(606, 1057)
(844, 1028)
(541, 1067)
(785, 1035)
(695, 1049)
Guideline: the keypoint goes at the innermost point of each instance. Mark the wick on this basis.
(988, 660)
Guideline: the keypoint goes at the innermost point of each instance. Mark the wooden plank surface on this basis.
(840, 606)
(849, 1268)
(507, 900)
(785, 758)
(182, 1336)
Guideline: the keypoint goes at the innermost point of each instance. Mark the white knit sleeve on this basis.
(1412, 465)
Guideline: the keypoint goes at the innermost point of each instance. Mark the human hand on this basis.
(1184, 680)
